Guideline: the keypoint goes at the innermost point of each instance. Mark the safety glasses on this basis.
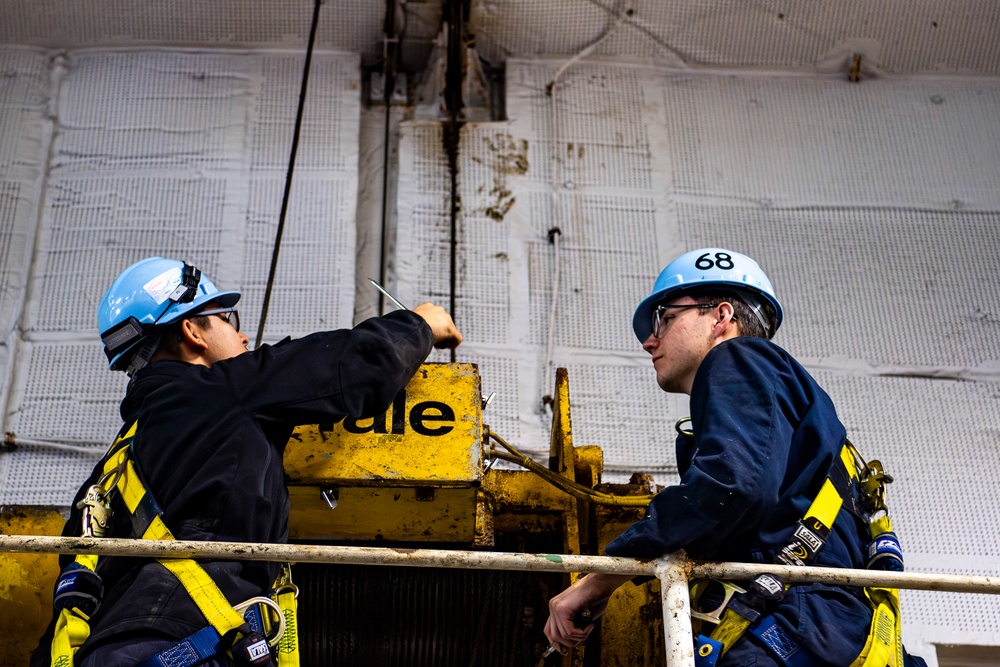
(661, 317)
(230, 315)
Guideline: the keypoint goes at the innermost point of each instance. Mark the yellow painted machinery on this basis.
(421, 476)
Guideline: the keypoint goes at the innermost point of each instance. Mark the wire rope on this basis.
(300, 112)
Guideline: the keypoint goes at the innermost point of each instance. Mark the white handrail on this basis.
(674, 570)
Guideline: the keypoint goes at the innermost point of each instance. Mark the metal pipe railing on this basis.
(673, 570)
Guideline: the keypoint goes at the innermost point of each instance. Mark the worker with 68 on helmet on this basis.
(199, 457)
(766, 476)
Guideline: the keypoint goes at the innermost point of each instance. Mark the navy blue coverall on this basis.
(765, 438)
(209, 448)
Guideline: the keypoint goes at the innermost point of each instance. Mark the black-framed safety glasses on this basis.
(660, 314)
(230, 315)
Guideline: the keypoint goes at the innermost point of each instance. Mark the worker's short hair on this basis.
(170, 337)
(746, 321)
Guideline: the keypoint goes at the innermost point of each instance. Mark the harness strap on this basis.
(884, 647)
(72, 627)
(200, 645)
(287, 594)
(203, 591)
(813, 530)
(189, 651)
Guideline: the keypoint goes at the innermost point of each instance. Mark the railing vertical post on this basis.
(672, 571)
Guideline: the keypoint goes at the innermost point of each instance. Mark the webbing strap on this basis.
(826, 506)
(73, 626)
(814, 528)
(189, 651)
(731, 627)
(72, 629)
(288, 647)
(884, 647)
(199, 585)
(206, 595)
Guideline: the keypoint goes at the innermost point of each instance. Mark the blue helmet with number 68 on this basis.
(706, 268)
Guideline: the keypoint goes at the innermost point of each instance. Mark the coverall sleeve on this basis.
(327, 375)
(734, 470)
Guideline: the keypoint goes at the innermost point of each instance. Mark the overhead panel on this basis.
(930, 36)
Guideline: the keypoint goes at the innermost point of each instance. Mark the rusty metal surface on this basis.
(26, 582)
(316, 553)
(422, 514)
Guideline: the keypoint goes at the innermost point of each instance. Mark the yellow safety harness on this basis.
(743, 611)
(79, 588)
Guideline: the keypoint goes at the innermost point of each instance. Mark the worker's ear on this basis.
(193, 336)
(725, 324)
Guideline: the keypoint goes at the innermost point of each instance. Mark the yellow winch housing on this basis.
(416, 476)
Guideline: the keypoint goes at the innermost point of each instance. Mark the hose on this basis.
(555, 479)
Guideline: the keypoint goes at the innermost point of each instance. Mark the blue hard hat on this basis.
(704, 268)
(149, 294)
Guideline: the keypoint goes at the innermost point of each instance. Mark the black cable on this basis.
(390, 56)
(452, 133)
(291, 169)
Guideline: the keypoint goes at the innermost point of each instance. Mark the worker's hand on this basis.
(590, 592)
(446, 334)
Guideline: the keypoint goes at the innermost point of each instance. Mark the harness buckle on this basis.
(871, 485)
(96, 512)
(96, 505)
(711, 597)
(272, 619)
(284, 584)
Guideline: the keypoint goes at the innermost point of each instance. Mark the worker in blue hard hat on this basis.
(200, 458)
(763, 440)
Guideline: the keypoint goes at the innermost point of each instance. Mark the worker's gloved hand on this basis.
(446, 334)
(79, 587)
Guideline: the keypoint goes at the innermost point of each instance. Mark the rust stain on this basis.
(509, 157)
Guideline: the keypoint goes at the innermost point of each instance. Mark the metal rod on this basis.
(386, 294)
(286, 196)
(672, 571)
(844, 577)
(312, 553)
